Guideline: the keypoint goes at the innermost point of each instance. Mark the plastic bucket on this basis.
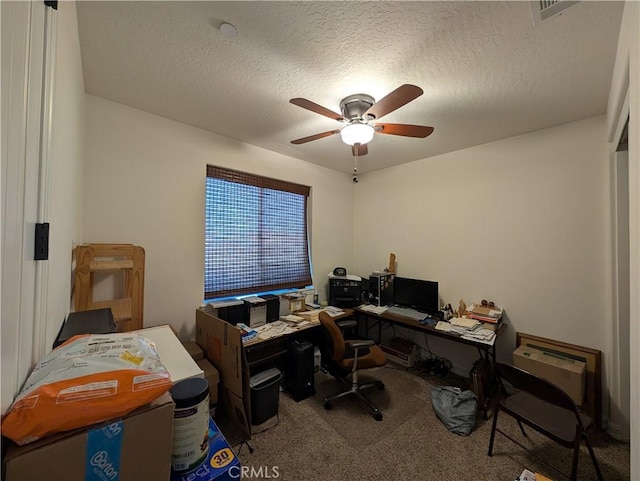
(190, 424)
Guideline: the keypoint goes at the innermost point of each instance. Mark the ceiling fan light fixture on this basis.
(357, 133)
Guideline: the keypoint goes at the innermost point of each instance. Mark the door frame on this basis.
(29, 30)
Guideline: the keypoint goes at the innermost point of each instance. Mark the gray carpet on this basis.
(399, 401)
(307, 443)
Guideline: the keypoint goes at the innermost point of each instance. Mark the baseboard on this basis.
(616, 432)
(460, 371)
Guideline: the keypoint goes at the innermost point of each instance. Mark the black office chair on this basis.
(347, 358)
(546, 408)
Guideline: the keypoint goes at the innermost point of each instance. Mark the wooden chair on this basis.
(546, 408)
(92, 259)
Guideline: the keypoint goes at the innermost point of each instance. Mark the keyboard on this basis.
(406, 312)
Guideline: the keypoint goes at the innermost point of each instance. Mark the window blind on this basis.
(255, 234)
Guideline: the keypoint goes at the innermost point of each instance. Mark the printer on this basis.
(345, 291)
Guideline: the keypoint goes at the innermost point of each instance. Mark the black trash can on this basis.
(265, 395)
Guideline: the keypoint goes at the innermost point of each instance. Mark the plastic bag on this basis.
(86, 380)
(455, 408)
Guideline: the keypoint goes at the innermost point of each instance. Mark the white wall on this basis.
(626, 77)
(65, 211)
(144, 184)
(521, 221)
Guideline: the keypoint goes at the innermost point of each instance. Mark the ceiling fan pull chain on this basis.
(355, 166)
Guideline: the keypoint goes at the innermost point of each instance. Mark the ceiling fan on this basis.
(359, 113)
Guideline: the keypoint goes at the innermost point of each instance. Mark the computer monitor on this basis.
(416, 293)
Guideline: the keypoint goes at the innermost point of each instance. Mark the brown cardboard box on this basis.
(564, 372)
(194, 350)
(213, 378)
(222, 346)
(143, 438)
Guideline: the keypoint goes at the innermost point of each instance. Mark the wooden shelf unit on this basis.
(116, 258)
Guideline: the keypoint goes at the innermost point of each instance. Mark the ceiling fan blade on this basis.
(405, 130)
(318, 109)
(359, 150)
(396, 99)
(304, 140)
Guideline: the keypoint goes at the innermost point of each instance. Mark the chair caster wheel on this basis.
(377, 416)
(380, 386)
(327, 406)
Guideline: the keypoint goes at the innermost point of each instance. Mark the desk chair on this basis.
(546, 408)
(347, 358)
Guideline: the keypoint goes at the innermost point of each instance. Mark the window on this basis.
(255, 234)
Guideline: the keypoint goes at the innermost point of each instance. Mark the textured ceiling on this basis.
(487, 72)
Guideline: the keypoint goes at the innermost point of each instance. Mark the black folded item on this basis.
(95, 321)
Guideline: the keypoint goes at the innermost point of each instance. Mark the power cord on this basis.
(241, 444)
(434, 366)
(268, 427)
(244, 441)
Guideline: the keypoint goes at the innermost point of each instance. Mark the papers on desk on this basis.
(448, 327)
(311, 316)
(476, 332)
(273, 329)
(443, 326)
(372, 308)
(480, 334)
(333, 311)
(464, 322)
(292, 318)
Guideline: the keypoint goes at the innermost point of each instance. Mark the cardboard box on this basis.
(400, 357)
(136, 447)
(221, 463)
(213, 378)
(194, 350)
(222, 346)
(564, 372)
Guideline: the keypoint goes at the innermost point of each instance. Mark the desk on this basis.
(486, 351)
(264, 353)
(235, 361)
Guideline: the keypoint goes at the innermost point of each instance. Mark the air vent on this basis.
(544, 9)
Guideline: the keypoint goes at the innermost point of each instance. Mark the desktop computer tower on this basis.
(299, 375)
(273, 307)
(381, 288)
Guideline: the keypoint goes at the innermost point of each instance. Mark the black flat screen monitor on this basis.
(416, 293)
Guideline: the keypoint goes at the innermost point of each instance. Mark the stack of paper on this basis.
(372, 308)
(480, 334)
(484, 314)
(333, 311)
(292, 318)
(311, 316)
(273, 329)
(443, 326)
(464, 322)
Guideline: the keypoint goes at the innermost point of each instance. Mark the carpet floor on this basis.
(305, 442)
